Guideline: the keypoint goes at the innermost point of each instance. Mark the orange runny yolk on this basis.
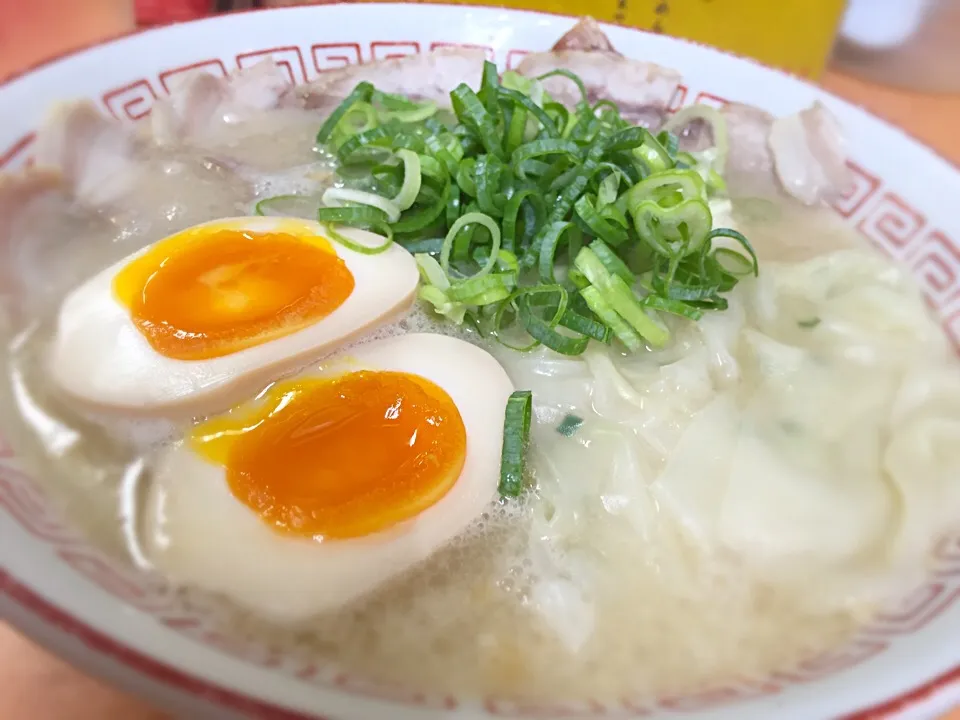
(215, 290)
(340, 457)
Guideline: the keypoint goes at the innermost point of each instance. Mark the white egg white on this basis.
(199, 534)
(99, 357)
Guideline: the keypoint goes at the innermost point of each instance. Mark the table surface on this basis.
(36, 685)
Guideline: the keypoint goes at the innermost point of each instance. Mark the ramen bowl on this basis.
(132, 630)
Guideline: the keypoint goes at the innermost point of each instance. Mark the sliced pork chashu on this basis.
(642, 90)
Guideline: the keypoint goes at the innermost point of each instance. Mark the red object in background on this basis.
(162, 12)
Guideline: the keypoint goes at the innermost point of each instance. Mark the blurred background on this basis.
(899, 59)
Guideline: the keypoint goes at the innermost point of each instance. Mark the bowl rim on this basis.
(79, 50)
(63, 625)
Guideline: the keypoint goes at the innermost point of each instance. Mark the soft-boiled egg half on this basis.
(219, 310)
(334, 480)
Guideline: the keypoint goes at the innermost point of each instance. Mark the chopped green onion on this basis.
(621, 298)
(334, 197)
(482, 290)
(472, 113)
(569, 425)
(589, 264)
(516, 130)
(613, 264)
(411, 179)
(362, 112)
(654, 155)
(609, 186)
(488, 173)
(624, 333)
(516, 435)
(408, 112)
(468, 219)
(360, 247)
(442, 304)
(733, 234)
(570, 76)
(361, 93)
(733, 262)
(303, 206)
(489, 87)
(363, 216)
(673, 231)
(423, 217)
(487, 195)
(550, 240)
(465, 176)
(718, 129)
(669, 141)
(674, 307)
(431, 272)
(544, 332)
(429, 246)
(513, 303)
(585, 326)
(610, 233)
(662, 187)
(808, 324)
(542, 148)
(380, 138)
(520, 100)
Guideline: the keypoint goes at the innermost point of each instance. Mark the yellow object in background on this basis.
(796, 35)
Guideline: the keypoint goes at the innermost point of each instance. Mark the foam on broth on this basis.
(669, 616)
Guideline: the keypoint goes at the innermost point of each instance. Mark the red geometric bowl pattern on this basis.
(879, 214)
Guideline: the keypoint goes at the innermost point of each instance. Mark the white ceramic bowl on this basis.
(130, 630)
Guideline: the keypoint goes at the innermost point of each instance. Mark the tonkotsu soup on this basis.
(520, 377)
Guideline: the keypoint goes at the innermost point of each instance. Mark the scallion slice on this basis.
(360, 216)
(611, 233)
(624, 333)
(548, 248)
(360, 247)
(610, 260)
(674, 307)
(335, 197)
(516, 436)
(585, 326)
(561, 72)
(544, 332)
(361, 93)
(302, 206)
(483, 290)
(412, 179)
(471, 111)
(569, 425)
(431, 272)
(621, 298)
(739, 237)
(718, 129)
(521, 100)
(442, 304)
(491, 193)
(464, 220)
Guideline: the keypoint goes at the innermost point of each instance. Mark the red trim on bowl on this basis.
(806, 81)
(903, 702)
(164, 674)
(96, 641)
(103, 644)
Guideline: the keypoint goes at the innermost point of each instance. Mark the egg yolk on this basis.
(340, 457)
(209, 292)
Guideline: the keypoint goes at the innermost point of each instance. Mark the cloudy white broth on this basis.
(744, 424)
